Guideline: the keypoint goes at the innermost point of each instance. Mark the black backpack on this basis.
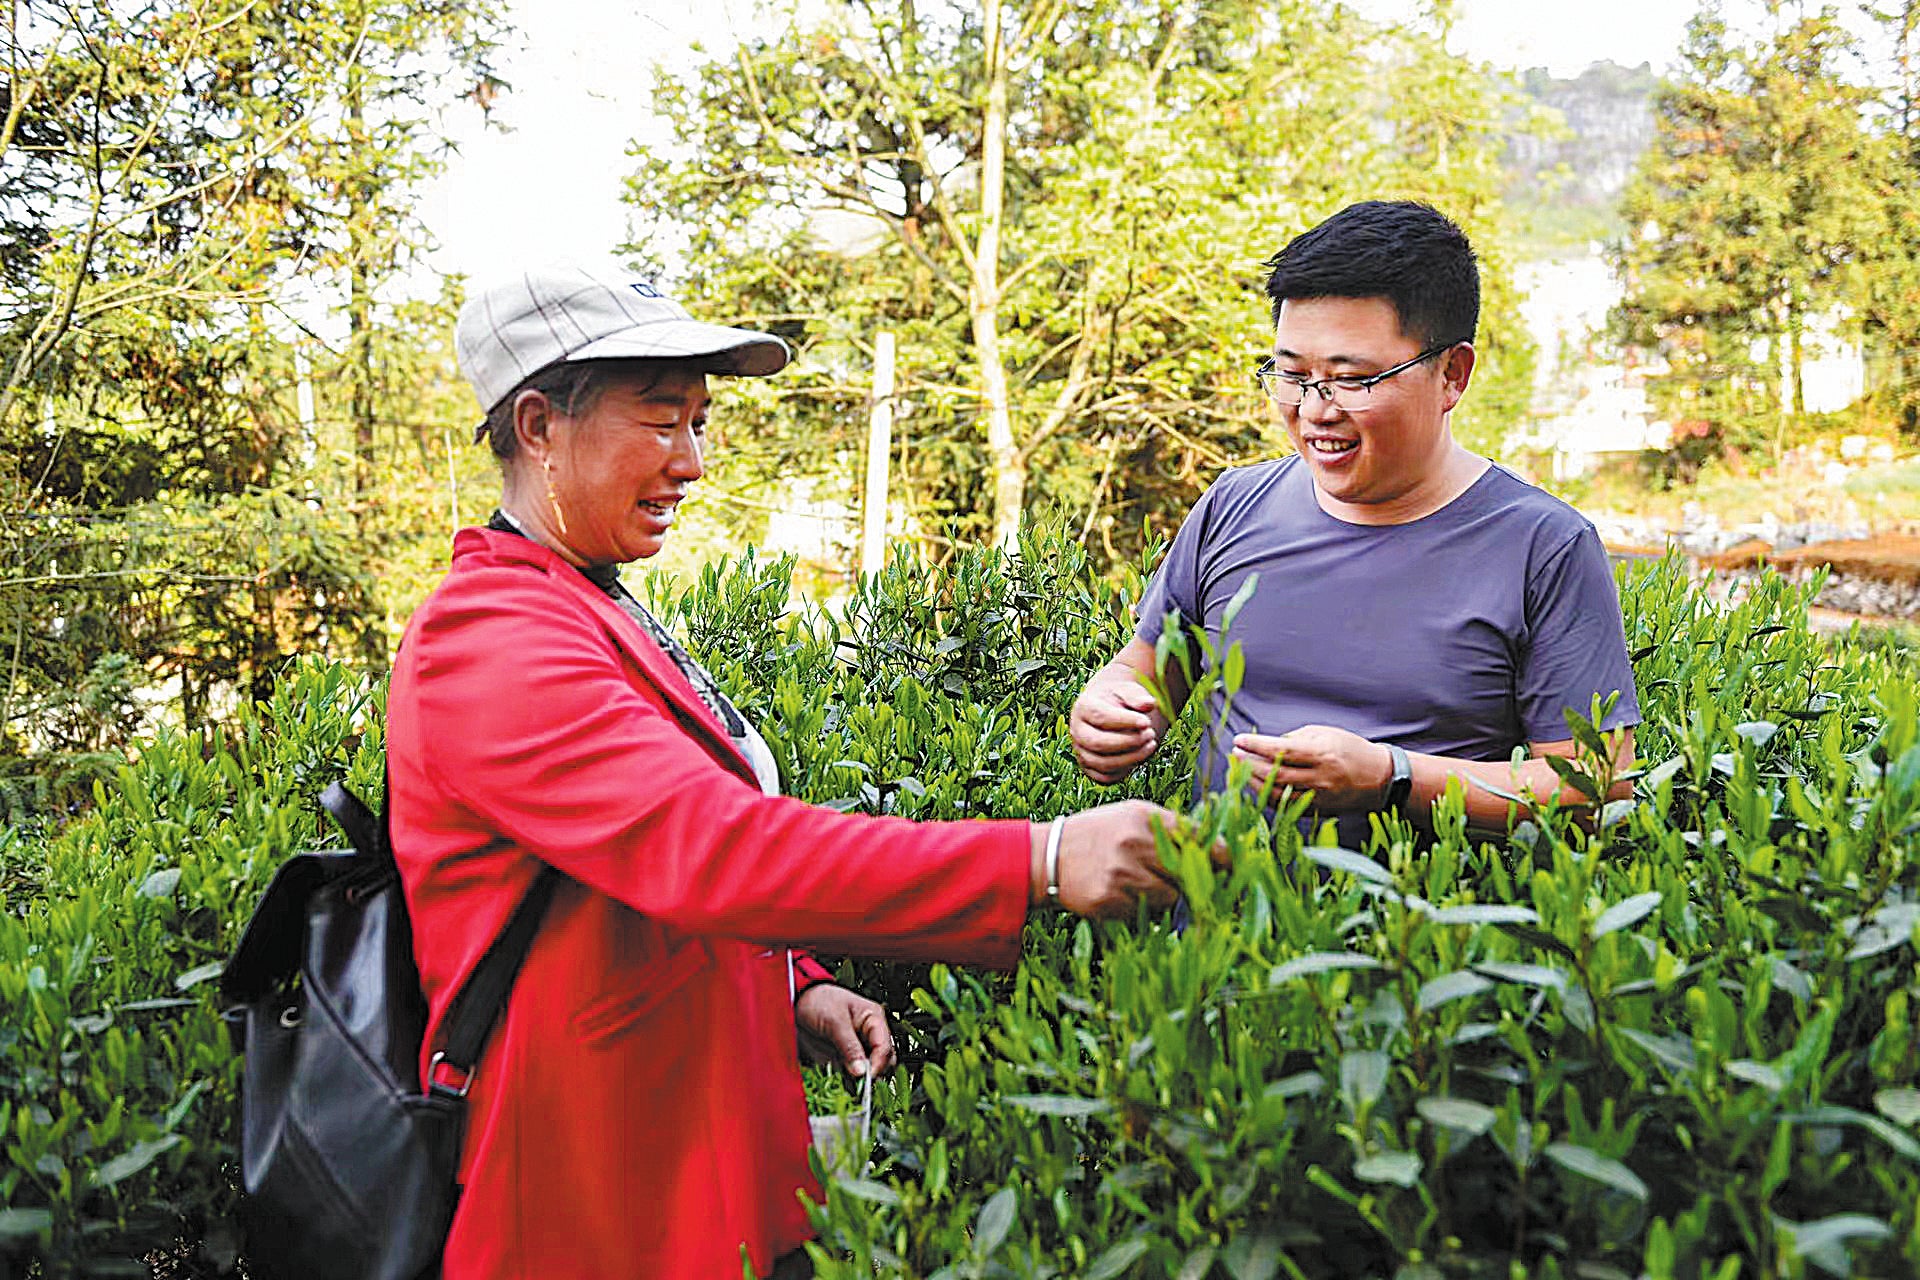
(348, 1166)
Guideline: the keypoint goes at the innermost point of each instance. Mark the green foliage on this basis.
(828, 184)
(1777, 196)
(214, 594)
(1677, 1045)
(117, 1085)
(1677, 1041)
(185, 488)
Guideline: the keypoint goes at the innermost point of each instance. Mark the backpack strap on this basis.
(366, 833)
(483, 997)
(480, 1001)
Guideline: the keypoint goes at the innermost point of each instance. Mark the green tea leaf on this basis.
(1538, 938)
(158, 1002)
(867, 1189)
(1574, 776)
(1902, 1106)
(1622, 914)
(1822, 1241)
(1895, 1138)
(1793, 913)
(1672, 1051)
(1252, 1255)
(1319, 962)
(1884, 930)
(1457, 1113)
(133, 1160)
(1057, 1104)
(178, 1111)
(1296, 1084)
(1485, 913)
(1401, 1168)
(1489, 787)
(1757, 1073)
(1791, 980)
(1363, 1076)
(1589, 1163)
(1354, 864)
(198, 974)
(1451, 986)
(1663, 773)
(1615, 812)
(1198, 1263)
(1531, 975)
(995, 1221)
(160, 884)
(1239, 602)
(1116, 1260)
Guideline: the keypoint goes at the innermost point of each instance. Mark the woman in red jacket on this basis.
(638, 1110)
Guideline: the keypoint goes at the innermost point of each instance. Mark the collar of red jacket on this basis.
(661, 672)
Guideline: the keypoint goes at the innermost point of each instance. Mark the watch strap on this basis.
(1400, 785)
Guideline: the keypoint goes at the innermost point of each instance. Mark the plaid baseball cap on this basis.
(514, 329)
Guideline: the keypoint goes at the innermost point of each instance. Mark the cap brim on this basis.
(716, 347)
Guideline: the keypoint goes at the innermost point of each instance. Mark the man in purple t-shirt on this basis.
(1419, 611)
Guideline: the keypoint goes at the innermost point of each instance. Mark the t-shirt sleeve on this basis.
(1176, 584)
(1577, 646)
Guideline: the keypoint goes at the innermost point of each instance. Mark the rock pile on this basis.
(1876, 576)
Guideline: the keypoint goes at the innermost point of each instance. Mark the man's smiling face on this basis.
(1379, 457)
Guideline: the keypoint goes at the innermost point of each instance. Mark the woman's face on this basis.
(616, 473)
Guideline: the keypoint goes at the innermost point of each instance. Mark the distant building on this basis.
(1587, 403)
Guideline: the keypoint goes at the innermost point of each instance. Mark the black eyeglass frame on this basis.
(1322, 386)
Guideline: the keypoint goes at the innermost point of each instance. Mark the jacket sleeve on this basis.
(807, 972)
(535, 724)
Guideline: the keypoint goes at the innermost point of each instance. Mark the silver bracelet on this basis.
(1053, 857)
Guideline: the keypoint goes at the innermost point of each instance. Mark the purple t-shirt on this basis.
(1464, 633)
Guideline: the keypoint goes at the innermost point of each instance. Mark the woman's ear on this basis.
(1457, 372)
(533, 423)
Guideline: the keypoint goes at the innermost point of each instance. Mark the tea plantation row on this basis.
(1677, 1044)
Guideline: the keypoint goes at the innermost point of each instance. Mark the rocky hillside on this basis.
(1567, 186)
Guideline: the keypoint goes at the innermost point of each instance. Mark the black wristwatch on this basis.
(1400, 786)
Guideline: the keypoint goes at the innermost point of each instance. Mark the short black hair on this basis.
(1407, 252)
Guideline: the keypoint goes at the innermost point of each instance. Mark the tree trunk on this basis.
(1797, 354)
(983, 293)
(359, 291)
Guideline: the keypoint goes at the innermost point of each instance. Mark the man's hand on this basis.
(1114, 727)
(839, 1025)
(1345, 772)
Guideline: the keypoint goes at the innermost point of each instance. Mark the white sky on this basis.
(580, 70)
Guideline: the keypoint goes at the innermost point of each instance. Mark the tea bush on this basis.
(1676, 1043)
(116, 1080)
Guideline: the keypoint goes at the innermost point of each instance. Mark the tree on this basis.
(169, 174)
(195, 157)
(1891, 309)
(1753, 211)
(1060, 207)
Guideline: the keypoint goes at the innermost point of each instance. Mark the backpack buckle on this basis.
(444, 1080)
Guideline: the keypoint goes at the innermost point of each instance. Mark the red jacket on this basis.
(638, 1111)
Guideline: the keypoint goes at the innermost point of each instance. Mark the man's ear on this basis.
(1457, 372)
(533, 422)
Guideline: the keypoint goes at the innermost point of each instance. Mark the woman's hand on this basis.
(839, 1025)
(1345, 772)
(1108, 860)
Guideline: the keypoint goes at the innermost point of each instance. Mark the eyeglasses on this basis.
(1348, 395)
